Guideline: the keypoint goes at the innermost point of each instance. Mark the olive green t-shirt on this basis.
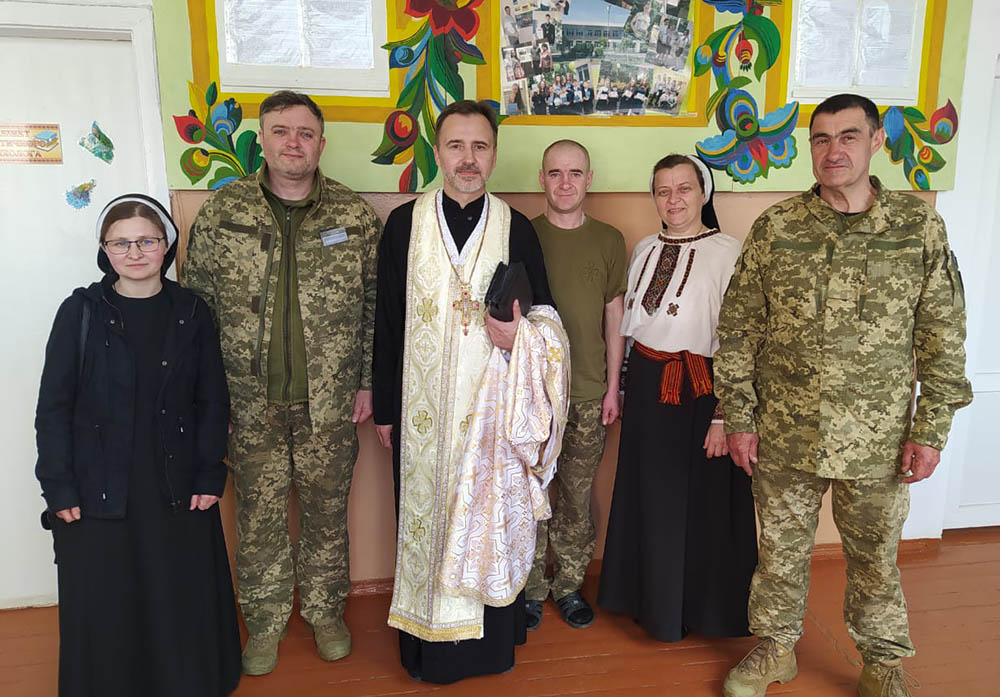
(587, 269)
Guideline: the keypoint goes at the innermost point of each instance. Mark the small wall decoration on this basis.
(235, 158)
(30, 144)
(98, 144)
(79, 196)
(430, 56)
(907, 132)
(748, 146)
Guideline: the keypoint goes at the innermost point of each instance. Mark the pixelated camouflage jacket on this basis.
(232, 262)
(822, 326)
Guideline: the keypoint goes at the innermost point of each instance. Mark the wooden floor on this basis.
(953, 592)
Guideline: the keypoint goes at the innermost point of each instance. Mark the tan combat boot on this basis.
(333, 639)
(260, 655)
(885, 679)
(768, 662)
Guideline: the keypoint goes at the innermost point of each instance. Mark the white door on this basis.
(974, 485)
(72, 78)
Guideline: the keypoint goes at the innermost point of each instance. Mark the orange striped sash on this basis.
(674, 365)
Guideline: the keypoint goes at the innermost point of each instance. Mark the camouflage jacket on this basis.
(232, 262)
(822, 326)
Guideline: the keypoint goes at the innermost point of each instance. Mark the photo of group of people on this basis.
(601, 57)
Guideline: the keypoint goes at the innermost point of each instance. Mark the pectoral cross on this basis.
(465, 304)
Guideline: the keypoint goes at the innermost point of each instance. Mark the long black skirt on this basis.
(682, 544)
(146, 603)
(446, 662)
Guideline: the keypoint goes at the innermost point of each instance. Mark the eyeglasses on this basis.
(144, 244)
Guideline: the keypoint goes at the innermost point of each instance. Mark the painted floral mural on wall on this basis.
(907, 134)
(749, 145)
(210, 127)
(430, 56)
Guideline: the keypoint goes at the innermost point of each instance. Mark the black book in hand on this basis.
(509, 283)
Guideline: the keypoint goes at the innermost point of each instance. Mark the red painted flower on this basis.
(190, 129)
(944, 123)
(401, 128)
(446, 15)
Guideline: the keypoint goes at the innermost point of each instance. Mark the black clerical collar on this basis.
(454, 211)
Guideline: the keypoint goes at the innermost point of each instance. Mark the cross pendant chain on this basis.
(465, 305)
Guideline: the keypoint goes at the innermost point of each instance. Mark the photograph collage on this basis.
(595, 57)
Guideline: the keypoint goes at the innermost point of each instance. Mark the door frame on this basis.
(103, 22)
(984, 379)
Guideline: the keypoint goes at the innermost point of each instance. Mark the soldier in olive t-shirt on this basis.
(586, 264)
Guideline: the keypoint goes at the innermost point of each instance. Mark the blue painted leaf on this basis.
(222, 176)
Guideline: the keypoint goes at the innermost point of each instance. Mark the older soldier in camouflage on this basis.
(286, 260)
(586, 264)
(838, 294)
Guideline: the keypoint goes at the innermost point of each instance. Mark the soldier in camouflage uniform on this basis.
(286, 260)
(586, 264)
(836, 292)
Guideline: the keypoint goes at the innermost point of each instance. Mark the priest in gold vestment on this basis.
(472, 408)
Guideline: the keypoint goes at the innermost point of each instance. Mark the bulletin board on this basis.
(717, 85)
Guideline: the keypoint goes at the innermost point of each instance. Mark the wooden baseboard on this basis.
(821, 552)
(372, 586)
(907, 548)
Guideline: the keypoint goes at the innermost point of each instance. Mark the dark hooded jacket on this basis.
(84, 421)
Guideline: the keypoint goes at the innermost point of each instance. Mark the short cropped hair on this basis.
(838, 102)
(567, 141)
(468, 107)
(283, 99)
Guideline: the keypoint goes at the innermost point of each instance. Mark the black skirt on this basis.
(681, 545)
(449, 661)
(146, 603)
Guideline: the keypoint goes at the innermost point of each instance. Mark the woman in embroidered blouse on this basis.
(681, 545)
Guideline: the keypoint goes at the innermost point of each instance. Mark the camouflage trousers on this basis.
(869, 514)
(570, 531)
(267, 459)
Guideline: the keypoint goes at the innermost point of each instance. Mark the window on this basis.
(871, 47)
(316, 46)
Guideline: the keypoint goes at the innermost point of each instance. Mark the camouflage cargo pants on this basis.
(570, 531)
(267, 459)
(869, 514)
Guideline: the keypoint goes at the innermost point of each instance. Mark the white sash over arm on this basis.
(500, 492)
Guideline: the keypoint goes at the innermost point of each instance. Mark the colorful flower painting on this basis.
(907, 134)
(233, 157)
(430, 56)
(748, 146)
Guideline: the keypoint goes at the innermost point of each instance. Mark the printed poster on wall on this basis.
(30, 144)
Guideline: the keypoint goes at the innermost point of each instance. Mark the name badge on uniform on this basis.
(334, 236)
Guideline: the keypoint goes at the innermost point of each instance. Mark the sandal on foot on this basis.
(533, 613)
(575, 610)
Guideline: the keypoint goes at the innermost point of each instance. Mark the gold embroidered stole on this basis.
(446, 350)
